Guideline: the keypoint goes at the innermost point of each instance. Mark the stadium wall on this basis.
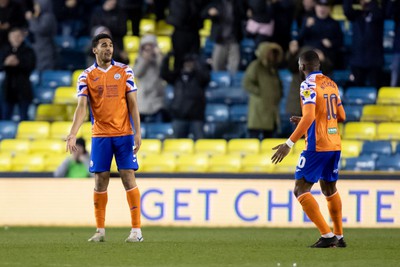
(193, 202)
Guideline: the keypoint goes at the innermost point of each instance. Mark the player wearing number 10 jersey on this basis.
(322, 110)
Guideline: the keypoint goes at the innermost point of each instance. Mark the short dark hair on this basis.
(310, 58)
(95, 40)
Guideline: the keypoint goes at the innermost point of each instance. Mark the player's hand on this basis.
(138, 143)
(295, 119)
(71, 143)
(281, 153)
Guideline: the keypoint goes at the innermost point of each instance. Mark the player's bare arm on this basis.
(134, 111)
(79, 118)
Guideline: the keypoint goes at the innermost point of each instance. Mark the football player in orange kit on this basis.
(108, 88)
(322, 110)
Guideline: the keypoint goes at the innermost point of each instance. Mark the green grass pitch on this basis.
(68, 247)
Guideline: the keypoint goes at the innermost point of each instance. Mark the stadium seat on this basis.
(150, 146)
(48, 147)
(379, 113)
(65, 42)
(286, 78)
(86, 130)
(5, 162)
(147, 26)
(132, 58)
(131, 44)
(56, 78)
(15, 146)
(388, 96)
(217, 113)
(178, 146)
(34, 78)
(192, 163)
(243, 147)
(269, 143)
(237, 79)
(50, 112)
(351, 148)
(225, 163)
(75, 76)
(299, 146)
(353, 112)
(8, 129)
(388, 131)
(27, 163)
(52, 162)
(361, 163)
(397, 148)
(376, 148)
(360, 130)
(287, 165)
(158, 163)
(208, 47)
(43, 95)
(227, 95)
(338, 13)
(220, 79)
(238, 113)
(83, 43)
(206, 30)
(163, 28)
(257, 163)
(33, 130)
(60, 129)
(341, 77)
(159, 130)
(388, 163)
(164, 43)
(65, 95)
(211, 146)
(360, 95)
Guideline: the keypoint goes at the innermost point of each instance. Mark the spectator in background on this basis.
(260, 23)
(77, 165)
(226, 32)
(158, 7)
(69, 14)
(189, 103)
(366, 59)
(133, 11)
(283, 16)
(262, 81)
(304, 9)
(393, 11)
(11, 15)
(112, 17)
(18, 63)
(151, 96)
(322, 32)
(43, 26)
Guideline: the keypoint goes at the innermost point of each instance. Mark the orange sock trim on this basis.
(100, 202)
(335, 210)
(311, 208)
(133, 197)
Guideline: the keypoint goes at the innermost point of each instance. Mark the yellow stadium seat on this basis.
(164, 28)
(51, 112)
(211, 146)
(360, 130)
(86, 130)
(60, 129)
(269, 143)
(337, 12)
(48, 147)
(299, 146)
(150, 146)
(378, 113)
(147, 26)
(27, 163)
(65, 95)
(178, 146)
(388, 131)
(51, 162)
(33, 130)
(388, 96)
(5, 162)
(75, 76)
(341, 128)
(351, 148)
(244, 146)
(257, 163)
(158, 163)
(15, 146)
(131, 44)
(164, 43)
(225, 163)
(192, 163)
(206, 30)
(69, 112)
(132, 58)
(114, 167)
(287, 165)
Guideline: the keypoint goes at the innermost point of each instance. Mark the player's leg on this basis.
(127, 164)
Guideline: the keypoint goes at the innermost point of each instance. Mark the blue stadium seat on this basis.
(56, 78)
(361, 163)
(388, 34)
(238, 113)
(220, 79)
(35, 78)
(225, 130)
(159, 130)
(2, 75)
(376, 148)
(354, 112)
(8, 129)
(247, 48)
(83, 43)
(65, 42)
(227, 95)
(169, 94)
(208, 47)
(43, 95)
(286, 77)
(71, 60)
(360, 95)
(397, 151)
(388, 59)
(237, 79)
(388, 163)
(341, 77)
(217, 113)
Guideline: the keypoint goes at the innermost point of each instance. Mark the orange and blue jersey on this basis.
(106, 90)
(323, 132)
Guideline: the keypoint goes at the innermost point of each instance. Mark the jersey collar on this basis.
(314, 72)
(98, 67)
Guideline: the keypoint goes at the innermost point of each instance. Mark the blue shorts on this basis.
(104, 148)
(314, 166)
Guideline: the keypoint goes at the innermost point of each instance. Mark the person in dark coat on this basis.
(189, 103)
(366, 59)
(11, 15)
(134, 12)
(393, 11)
(18, 63)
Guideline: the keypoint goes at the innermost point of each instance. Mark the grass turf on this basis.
(56, 246)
